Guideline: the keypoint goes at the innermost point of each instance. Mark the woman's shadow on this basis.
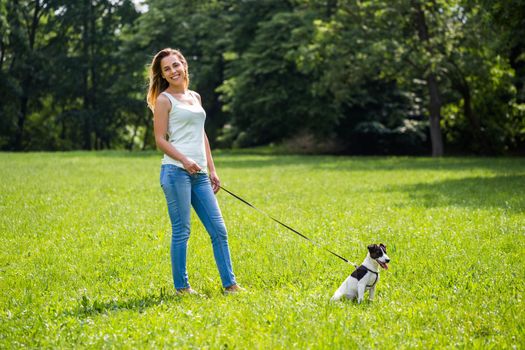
(89, 307)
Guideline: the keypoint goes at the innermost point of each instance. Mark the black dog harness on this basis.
(361, 271)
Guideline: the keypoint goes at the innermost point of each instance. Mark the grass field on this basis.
(85, 254)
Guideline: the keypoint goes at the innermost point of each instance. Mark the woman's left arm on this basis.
(214, 178)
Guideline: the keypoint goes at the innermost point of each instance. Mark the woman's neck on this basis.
(176, 89)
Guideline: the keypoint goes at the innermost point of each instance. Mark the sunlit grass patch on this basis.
(85, 258)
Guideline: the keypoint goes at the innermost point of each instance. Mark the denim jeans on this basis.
(182, 190)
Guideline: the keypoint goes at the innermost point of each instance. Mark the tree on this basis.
(267, 95)
(347, 61)
(22, 63)
(59, 71)
(374, 76)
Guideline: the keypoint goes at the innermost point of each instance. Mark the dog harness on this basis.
(361, 271)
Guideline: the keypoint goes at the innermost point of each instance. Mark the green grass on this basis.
(85, 254)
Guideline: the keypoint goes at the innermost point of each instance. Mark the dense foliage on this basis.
(372, 77)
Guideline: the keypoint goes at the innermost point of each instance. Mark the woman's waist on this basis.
(201, 161)
(188, 146)
(195, 152)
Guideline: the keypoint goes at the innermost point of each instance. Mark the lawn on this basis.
(85, 253)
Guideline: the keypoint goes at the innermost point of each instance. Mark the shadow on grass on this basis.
(114, 154)
(252, 159)
(88, 307)
(341, 163)
(505, 192)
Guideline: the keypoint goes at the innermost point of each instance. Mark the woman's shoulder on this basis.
(162, 101)
(196, 94)
(163, 95)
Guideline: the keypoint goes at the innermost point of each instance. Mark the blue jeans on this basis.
(182, 191)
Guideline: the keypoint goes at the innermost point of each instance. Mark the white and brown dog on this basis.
(365, 277)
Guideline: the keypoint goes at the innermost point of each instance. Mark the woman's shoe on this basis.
(235, 289)
(188, 290)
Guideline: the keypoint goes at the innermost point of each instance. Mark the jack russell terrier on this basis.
(365, 277)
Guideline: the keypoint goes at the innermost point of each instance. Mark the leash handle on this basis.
(288, 227)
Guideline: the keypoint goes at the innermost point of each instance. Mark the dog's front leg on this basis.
(360, 292)
(372, 293)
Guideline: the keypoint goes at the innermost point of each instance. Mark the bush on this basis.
(411, 138)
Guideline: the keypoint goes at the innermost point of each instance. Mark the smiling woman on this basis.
(157, 83)
(187, 177)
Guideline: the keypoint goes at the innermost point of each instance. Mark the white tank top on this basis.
(186, 131)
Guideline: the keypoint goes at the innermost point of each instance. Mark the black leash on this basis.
(288, 227)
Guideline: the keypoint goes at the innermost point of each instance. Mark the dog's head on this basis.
(378, 253)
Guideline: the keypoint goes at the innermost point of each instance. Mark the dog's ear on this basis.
(383, 246)
(375, 251)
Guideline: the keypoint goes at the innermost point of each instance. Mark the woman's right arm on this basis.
(160, 128)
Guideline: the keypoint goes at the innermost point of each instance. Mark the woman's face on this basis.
(172, 70)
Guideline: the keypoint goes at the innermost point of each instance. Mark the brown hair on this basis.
(157, 83)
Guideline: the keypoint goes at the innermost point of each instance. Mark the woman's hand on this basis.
(215, 182)
(190, 166)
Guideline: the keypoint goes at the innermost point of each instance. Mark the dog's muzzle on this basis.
(383, 264)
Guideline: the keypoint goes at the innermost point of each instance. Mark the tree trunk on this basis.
(432, 84)
(473, 119)
(27, 80)
(93, 58)
(22, 114)
(435, 116)
(2, 54)
(517, 63)
(148, 124)
(86, 128)
(460, 84)
(331, 7)
(63, 126)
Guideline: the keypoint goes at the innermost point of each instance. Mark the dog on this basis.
(365, 277)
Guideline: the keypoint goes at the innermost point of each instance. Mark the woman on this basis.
(188, 177)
